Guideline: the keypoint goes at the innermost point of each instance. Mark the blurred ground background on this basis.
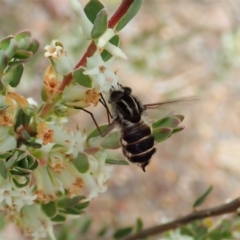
(175, 49)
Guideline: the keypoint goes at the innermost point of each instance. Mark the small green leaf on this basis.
(4, 42)
(139, 225)
(25, 135)
(132, 11)
(169, 122)
(95, 133)
(49, 209)
(35, 165)
(115, 40)
(122, 232)
(66, 202)
(69, 210)
(100, 24)
(3, 169)
(34, 46)
(86, 225)
(5, 155)
(22, 34)
(13, 75)
(178, 129)
(20, 185)
(12, 48)
(102, 232)
(16, 62)
(180, 117)
(92, 8)
(81, 163)
(3, 61)
(22, 119)
(11, 160)
(58, 218)
(116, 162)
(22, 54)
(111, 141)
(17, 74)
(81, 206)
(32, 144)
(82, 79)
(161, 134)
(202, 198)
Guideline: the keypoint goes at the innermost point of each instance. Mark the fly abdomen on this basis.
(141, 145)
(136, 132)
(138, 144)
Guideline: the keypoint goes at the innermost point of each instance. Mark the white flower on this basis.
(100, 71)
(7, 193)
(54, 50)
(25, 197)
(73, 141)
(35, 223)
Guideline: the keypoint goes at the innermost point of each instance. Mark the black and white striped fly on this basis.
(137, 140)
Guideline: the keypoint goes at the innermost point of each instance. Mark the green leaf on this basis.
(81, 162)
(178, 129)
(32, 144)
(58, 218)
(86, 225)
(169, 122)
(66, 202)
(4, 42)
(49, 209)
(69, 210)
(13, 75)
(100, 24)
(22, 34)
(34, 46)
(11, 160)
(22, 54)
(22, 119)
(20, 185)
(82, 79)
(139, 225)
(17, 74)
(201, 199)
(123, 232)
(102, 232)
(81, 206)
(92, 8)
(5, 155)
(116, 162)
(111, 141)
(12, 48)
(95, 133)
(115, 40)
(26, 135)
(3, 61)
(132, 11)
(3, 169)
(35, 165)
(161, 134)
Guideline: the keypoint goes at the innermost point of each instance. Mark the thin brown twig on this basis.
(210, 212)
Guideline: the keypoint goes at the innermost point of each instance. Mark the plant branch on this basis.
(122, 9)
(210, 212)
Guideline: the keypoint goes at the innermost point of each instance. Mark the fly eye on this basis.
(115, 95)
(127, 90)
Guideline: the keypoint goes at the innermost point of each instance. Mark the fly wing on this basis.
(155, 111)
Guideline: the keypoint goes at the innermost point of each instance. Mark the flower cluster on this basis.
(49, 171)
